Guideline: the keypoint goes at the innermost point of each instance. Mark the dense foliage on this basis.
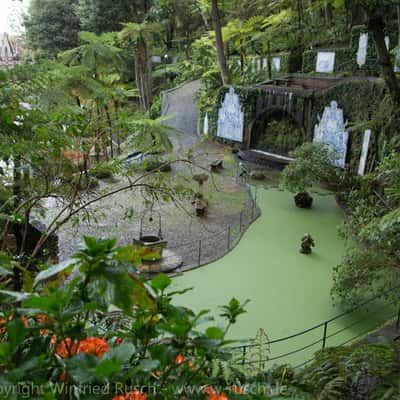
(59, 338)
(88, 96)
(312, 164)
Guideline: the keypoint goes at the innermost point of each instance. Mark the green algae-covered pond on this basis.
(289, 292)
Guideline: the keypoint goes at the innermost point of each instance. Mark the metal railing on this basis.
(322, 334)
(211, 247)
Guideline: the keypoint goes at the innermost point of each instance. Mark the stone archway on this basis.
(276, 130)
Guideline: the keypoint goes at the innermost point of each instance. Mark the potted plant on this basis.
(312, 163)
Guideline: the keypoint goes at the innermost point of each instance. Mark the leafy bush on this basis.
(312, 163)
(61, 336)
(156, 108)
(367, 371)
(102, 171)
(371, 266)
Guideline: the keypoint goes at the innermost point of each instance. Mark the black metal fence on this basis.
(211, 247)
(345, 328)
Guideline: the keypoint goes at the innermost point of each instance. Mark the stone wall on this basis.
(360, 98)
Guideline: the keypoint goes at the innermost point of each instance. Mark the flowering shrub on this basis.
(92, 346)
(61, 339)
(132, 396)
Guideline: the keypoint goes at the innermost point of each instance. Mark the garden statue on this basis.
(307, 243)
(200, 204)
(200, 178)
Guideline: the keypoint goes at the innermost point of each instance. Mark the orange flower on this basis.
(136, 396)
(63, 377)
(237, 390)
(66, 348)
(132, 396)
(210, 391)
(180, 359)
(2, 326)
(25, 321)
(213, 395)
(43, 319)
(3, 323)
(94, 346)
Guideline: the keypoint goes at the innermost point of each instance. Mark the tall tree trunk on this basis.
(242, 62)
(221, 58)
(300, 13)
(17, 227)
(110, 128)
(143, 75)
(269, 60)
(376, 27)
(328, 13)
(169, 36)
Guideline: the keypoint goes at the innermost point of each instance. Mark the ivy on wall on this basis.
(360, 99)
(346, 57)
(248, 99)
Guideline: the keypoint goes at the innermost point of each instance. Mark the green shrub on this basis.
(63, 334)
(366, 371)
(101, 171)
(312, 164)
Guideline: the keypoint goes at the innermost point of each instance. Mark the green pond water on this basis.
(289, 292)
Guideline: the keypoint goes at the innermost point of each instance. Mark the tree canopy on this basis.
(52, 26)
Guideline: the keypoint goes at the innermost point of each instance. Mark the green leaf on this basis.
(52, 271)
(16, 333)
(160, 282)
(121, 353)
(124, 291)
(128, 254)
(108, 368)
(82, 368)
(149, 365)
(17, 296)
(5, 350)
(49, 304)
(214, 333)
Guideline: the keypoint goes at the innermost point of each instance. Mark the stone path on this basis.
(181, 103)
